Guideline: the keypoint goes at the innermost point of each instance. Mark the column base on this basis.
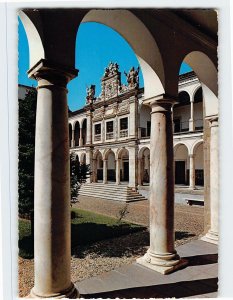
(71, 293)
(162, 264)
(211, 237)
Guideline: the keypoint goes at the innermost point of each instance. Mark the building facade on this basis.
(112, 132)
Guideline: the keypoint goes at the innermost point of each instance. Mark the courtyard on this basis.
(100, 257)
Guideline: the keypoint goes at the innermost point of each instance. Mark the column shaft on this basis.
(118, 169)
(162, 255)
(80, 137)
(132, 167)
(72, 139)
(52, 238)
(89, 129)
(191, 171)
(212, 235)
(140, 171)
(105, 169)
(191, 120)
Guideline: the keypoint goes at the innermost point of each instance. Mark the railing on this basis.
(184, 126)
(144, 133)
(123, 133)
(97, 137)
(109, 136)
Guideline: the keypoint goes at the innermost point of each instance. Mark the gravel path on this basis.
(89, 261)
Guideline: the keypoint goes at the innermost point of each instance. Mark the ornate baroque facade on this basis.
(112, 132)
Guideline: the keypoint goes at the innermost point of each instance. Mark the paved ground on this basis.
(197, 280)
(104, 256)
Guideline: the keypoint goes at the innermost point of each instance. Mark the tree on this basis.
(26, 147)
(78, 175)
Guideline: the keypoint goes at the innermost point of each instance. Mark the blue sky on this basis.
(97, 46)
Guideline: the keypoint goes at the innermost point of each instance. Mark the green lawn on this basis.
(86, 228)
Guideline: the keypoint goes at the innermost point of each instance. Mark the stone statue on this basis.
(112, 69)
(133, 77)
(90, 94)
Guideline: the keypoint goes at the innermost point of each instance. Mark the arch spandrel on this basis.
(52, 34)
(196, 145)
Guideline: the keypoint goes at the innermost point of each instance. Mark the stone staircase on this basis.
(110, 191)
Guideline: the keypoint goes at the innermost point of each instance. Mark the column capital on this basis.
(161, 103)
(48, 73)
(191, 155)
(213, 121)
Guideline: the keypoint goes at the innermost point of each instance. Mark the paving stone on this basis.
(200, 278)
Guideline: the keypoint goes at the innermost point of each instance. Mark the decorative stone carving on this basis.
(133, 78)
(112, 69)
(90, 94)
(123, 107)
(98, 113)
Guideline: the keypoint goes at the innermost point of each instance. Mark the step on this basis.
(110, 192)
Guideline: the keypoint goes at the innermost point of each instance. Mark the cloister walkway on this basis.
(197, 280)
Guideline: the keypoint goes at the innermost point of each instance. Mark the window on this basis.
(109, 130)
(123, 127)
(97, 132)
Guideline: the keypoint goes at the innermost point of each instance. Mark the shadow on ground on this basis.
(178, 290)
(132, 244)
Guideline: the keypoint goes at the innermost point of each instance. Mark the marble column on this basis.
(162, 256)
(72, 139)
(89, 128)
(52, 237)
(105, 171)
(118, 171)
(89, 162)
(192, 171)
(212, 234)
(133, 120)
(191, 120)
(132, 167)
(140, 172)
(80, 136)
(94, 172)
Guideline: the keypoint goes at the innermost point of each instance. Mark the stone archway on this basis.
(144, 166)
(123, 158)
(182, 165)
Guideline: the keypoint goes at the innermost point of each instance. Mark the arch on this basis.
(109, 155)
(183, 98)
(178, 144)
(83, 158)
(36, 48)
(144, 116)
(195, 146)
(106, 153)
(144, 166)
(70, 135)
(198, 95)
(84, 131)
(96, 153)
(206, 72)
(141, 151)
(76, 133)
(147, 52)
(123, 156)
(181, 158)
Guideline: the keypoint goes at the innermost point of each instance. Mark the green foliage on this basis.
(27, 119)
(78, 175)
